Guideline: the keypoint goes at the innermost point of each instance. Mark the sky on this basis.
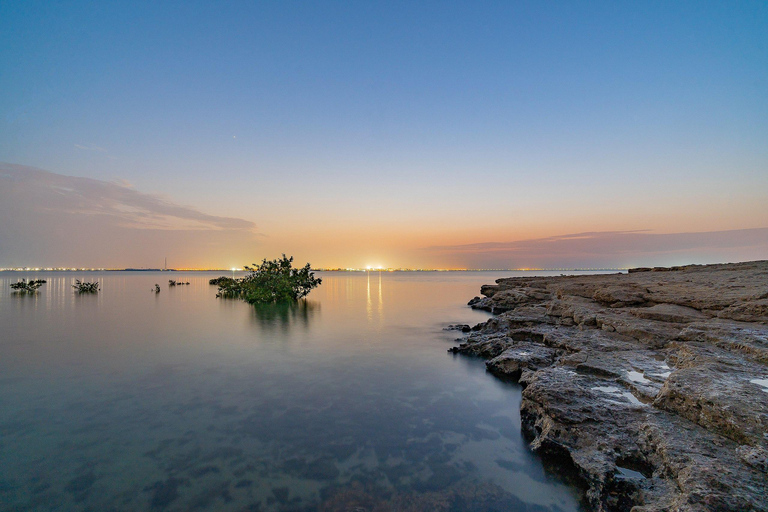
(396, 134)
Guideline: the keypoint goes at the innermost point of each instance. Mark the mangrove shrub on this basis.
(30, 286)
(85, 286)
(272, 281)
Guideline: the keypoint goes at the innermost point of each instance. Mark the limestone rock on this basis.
(522, 355)
(651, 387)
(670, 313)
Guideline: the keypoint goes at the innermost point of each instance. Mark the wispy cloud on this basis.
(124, 204)
(612, 248)
(88, 218)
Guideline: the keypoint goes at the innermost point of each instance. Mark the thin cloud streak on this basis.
(133, 208)
(614, 249)
(52, 219)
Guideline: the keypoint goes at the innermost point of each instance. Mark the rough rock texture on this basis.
(651, 386)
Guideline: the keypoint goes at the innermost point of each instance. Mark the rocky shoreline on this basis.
(649, 387)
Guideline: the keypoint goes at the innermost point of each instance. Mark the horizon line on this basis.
(321, 269)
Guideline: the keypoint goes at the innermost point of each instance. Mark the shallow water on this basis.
(131, 400)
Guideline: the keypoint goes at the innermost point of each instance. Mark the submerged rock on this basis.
(651, 387)
(458, 327)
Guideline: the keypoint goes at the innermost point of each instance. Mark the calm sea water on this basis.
(131, 400)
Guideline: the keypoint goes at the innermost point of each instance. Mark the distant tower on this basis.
(165, 265)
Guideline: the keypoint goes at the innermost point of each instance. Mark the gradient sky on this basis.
(417, 134)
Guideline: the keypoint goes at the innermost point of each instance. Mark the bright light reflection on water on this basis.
(131, 400)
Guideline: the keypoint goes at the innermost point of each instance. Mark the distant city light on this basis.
(317, 269)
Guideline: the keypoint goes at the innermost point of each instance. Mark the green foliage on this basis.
(219, 280)
(272, 281)
(25, 286)
(86, 287)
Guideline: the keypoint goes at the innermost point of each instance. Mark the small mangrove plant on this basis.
(156, 289)
(25, 286)
(173, 282)
(270, 282)
(85, 286)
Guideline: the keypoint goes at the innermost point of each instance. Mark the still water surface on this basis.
(131, 400)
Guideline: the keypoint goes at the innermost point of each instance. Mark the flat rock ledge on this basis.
(649, 387)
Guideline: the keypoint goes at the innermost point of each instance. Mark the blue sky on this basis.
(407, 119)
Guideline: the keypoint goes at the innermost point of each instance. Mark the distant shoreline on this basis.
(41, 269)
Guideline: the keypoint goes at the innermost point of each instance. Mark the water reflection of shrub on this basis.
(283, 315)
